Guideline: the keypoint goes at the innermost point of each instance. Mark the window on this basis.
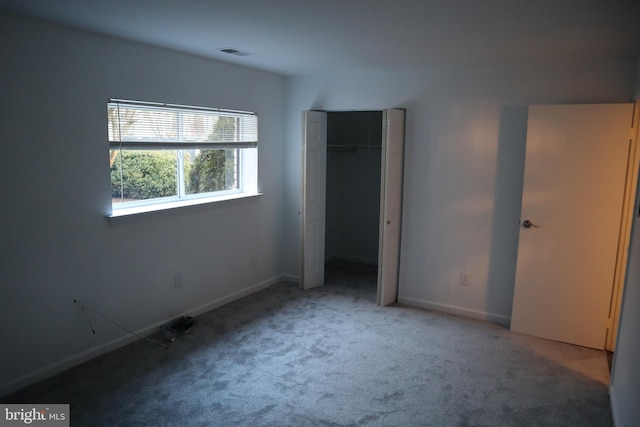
(161, 155)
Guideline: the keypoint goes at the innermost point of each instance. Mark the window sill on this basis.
(137, 211)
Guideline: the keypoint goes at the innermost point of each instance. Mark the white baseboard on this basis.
(77, 359)
(612, 402)
(230, 298)
(458, 311)
(614, 406)
(290, 278)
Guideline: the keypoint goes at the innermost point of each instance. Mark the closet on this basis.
(353, 180)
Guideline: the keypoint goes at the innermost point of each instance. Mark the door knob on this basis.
(528, 224)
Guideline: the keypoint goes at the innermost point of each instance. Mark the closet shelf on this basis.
(351, 148)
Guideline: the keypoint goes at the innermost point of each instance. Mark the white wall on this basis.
(465, 136)
(625, 378)
(353, 186)
(56, 241)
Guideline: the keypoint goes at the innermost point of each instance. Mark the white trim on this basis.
(233, 297)
(166, 105)
(291, 278)
(77, 359)
(157, 207)
(614, 407)
(359, 260)
(458, 311)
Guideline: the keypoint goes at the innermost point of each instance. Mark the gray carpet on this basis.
(331, 357)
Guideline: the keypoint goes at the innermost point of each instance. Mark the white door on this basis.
(576, 164)
(390, 205)
(314, 171)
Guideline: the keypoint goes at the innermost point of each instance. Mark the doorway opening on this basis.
(353, 183)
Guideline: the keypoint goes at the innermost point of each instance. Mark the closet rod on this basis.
(351, 148)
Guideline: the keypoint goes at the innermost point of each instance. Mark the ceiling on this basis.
(292, 37)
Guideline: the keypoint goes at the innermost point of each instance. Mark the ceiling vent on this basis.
(236, 52)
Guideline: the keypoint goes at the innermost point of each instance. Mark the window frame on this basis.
(244, 141)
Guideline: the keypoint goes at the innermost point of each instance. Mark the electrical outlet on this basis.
(465, 280)
(177, 281)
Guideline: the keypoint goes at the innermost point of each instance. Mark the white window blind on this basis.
(143, 125)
